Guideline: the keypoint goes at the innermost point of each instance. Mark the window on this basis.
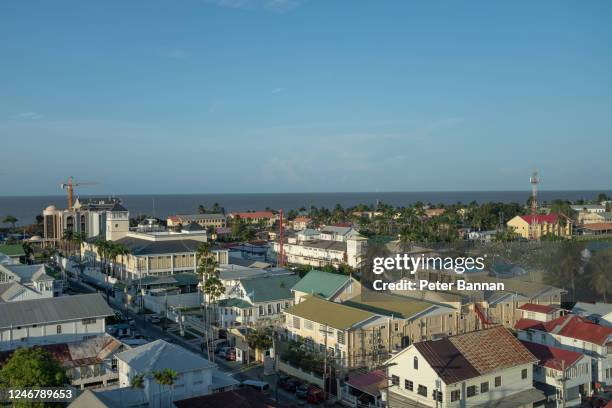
(307, 325)
(484, 387)
(341, 337)
(89, 321)
(58, 329)
(455, 395)
(409, 385)
(471, 391)
(498, 381)
(394, 380)
(261, 310)
(416, 363)
(296, 322)
(524, 373)
(422, 390)
(437, 395)
(270, 309)
(278, 308)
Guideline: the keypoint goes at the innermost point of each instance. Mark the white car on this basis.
(154, 318)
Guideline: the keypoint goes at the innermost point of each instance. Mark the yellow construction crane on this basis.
(70, 185)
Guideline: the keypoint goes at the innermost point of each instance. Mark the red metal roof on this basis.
(532, 307)
(540, 219)
(370, 382)
(553, 357)
(573, 326)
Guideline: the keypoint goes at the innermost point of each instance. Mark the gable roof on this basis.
(469, 355)
(160, 354)
(269, 288)
(56, 309)
(389, 304)
(541, 218)
(553, 357)
(333, 314)
(532, 307)
(26, 273)
(576, 327)
(370, 383)
(323, 284)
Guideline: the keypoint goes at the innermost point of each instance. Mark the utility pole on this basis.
(325, 331)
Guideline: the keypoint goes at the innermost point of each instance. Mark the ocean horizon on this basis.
(25, 208)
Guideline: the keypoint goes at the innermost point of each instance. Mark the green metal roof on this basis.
(234, 302)
(269, 288)
(388, 304)
(12, 250)
(323, 284)
(333, 314)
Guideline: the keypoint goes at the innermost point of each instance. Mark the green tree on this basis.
(165, 378)
(9, 219)
(32, 367)
(600, 273)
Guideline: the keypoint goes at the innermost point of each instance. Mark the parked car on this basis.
(231, 355)
(221, 354)
(154, 318)
(302, 391)
(289, 385)
(315, 395)
(257, 385)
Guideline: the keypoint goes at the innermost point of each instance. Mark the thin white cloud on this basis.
(28, 115)
(276, 90)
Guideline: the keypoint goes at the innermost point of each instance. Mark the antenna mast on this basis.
(534, 180)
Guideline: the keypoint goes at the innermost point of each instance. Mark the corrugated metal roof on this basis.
(57, 309)
(160, 354)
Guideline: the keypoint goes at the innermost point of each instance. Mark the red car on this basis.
(315, 395)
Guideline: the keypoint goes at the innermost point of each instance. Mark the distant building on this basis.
(203, 220)
(550, 224)
(594, 217)
(267, 218)
(589, 208)
(299, 223)
(14, 253)
(52, 320)
(482, 368)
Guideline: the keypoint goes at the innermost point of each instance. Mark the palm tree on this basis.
(138, 382)
(207, 268)
(121, 251)
(165, 378)
(66, 240)
(10, 219)
(79, 238)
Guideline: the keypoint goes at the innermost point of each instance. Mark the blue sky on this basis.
(299, 96)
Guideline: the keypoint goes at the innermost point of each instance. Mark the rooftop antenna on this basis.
(534, 180)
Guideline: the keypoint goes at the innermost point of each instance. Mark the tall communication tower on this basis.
(534, 180)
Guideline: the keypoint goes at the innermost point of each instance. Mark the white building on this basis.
(563, 375)
(256, 300)
(590, 208)
(479, 369)
(600, 313)
(52, 320)
(574, 333)
(542, 313)
(25, 282)
(195, 375)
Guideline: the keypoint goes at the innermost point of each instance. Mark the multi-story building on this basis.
(574, 333)
(550, 224)
(257, 300)
(479, 369)
(300, 223)
(588, 208)
(330, 247)
(156, 253)
(564, 376)
(203, 220)
(52, 320)
(268, 218)
(94, 217)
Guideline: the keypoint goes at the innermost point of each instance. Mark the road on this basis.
(154, 332)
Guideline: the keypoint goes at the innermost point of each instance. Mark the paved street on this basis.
(154, 332)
